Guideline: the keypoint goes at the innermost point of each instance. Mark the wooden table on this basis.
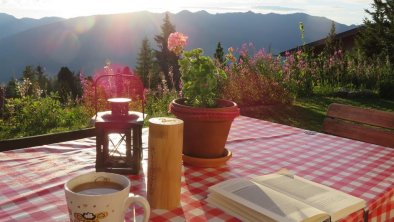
(32, 179)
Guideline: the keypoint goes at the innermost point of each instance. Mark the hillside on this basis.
(84, 43)
(9, 25)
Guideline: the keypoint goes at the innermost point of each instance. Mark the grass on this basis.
(309, 113)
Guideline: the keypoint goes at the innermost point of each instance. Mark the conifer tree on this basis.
(377, 35)
(219, 54)
(39, 80)
(10, 89)
(43, 80)
(68, 85)
(331, 44)
(145, 65)
(167, 60)
(29, 73)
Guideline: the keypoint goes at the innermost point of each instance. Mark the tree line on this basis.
(34, 82)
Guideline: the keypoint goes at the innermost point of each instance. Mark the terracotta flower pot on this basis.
(205, 129)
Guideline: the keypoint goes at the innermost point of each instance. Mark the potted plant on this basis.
(207, 119)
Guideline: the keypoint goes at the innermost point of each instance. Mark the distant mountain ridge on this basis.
(84, 43)
(10, 25)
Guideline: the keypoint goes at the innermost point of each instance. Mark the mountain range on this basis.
(85, 43)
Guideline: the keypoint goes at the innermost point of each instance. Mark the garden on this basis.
(294, 90)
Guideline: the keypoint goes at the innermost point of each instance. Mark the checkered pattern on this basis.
(32, 179)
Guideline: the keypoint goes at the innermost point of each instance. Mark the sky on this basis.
(343, 11)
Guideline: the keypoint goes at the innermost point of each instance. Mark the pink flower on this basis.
(176, 42)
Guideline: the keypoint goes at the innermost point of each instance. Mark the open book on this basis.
(282, 197)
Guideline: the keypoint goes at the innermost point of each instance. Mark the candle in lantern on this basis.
(119, 106)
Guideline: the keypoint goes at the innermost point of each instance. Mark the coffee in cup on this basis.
(98, 188)
(101, 197)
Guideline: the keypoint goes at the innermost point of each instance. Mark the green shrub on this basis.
(348, 71)
(30, 116)
(255, 79)
(157, 103)
(386, 89)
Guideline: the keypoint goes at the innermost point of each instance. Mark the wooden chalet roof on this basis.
(347, 38)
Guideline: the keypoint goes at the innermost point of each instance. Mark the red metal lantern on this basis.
(119, 131)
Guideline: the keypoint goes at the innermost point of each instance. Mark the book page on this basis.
(236, 209)
(244, 197)
(336, 203)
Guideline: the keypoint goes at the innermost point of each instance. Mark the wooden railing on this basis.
(13, 144)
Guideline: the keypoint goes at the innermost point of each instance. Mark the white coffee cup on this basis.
(101, 197)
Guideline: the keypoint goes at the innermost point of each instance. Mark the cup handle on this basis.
(135, 199)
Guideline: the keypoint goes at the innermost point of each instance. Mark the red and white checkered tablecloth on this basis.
(32, 179)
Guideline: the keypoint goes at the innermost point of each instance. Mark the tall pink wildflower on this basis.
(176, 42)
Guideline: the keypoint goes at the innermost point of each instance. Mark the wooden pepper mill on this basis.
(165, 162)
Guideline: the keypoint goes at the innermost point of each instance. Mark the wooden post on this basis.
(165, 162)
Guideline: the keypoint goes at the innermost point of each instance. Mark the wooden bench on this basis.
(368, 125)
